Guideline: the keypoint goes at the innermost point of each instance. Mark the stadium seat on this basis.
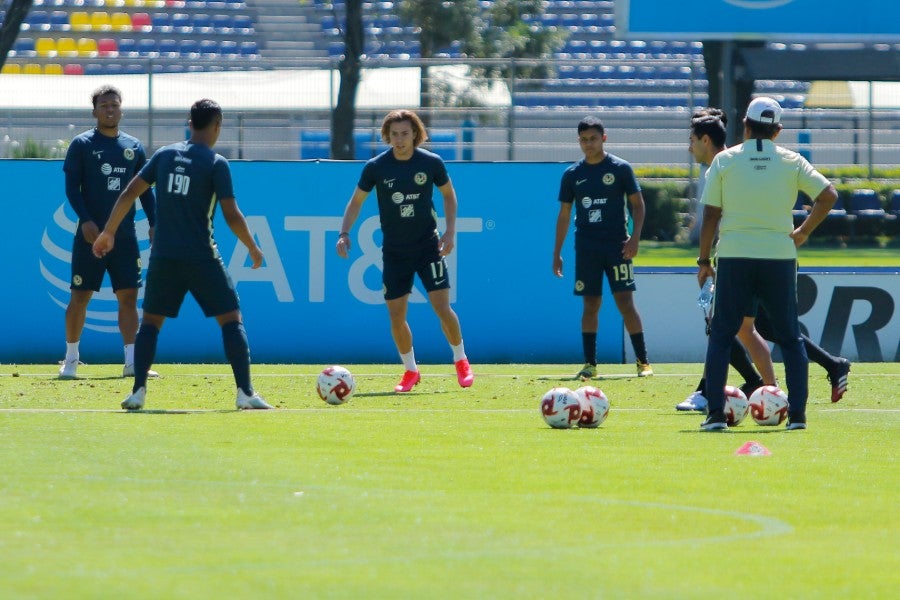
(45, 46)
(24, 47)
(36, 20)
(121, 21)
(32, 69)
(243, 24)
(134, 69)
(80, 21)
(894, 207)
(140, 21)
(148, 47)
(189, 47)
(248, 49)
(209, 48)
(59, 21)
(100, 21)
(201, 23)
(228, 48)
(87, 47)
(181, 22)
(73, 69)
(127, 47)
(12, 69)
(168, 47)
(222, 23)
(53, 69)
(162, 22)
(107, 47)
(93, 69)
(866, 206)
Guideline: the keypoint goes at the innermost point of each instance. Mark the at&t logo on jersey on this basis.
(397, 197)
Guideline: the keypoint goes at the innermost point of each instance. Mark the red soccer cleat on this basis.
(410, 378)
(464, 373)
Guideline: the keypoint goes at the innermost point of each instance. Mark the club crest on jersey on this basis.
(609, 178)
(106, 168)
(129, 154)
(397, 197)
(76, 280)
(420, 178)
(407, 211)
(579, 286)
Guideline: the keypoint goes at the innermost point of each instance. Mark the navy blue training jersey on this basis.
(405, 191)
(600, 194)
(98, 168)
(190, 179)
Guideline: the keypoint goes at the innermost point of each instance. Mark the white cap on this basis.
(764, 110)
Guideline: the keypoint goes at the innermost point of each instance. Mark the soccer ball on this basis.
(736, 406)
(561, 408)
(769, 405)
(594, 406)
(335, 385)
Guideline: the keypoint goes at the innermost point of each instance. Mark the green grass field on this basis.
(440, 493)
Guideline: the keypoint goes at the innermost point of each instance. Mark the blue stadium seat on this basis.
(135, 69)
(181, 22)
(222, 23)
(24, 47)
(127, 47)
(94, 69)
(36, 20)
(168, 47)
(202, 23)
(148, 47)
(228, 48)
(59, 20)
(209, 48)
(243, 24)
(189, 47)
(161, 22)
(248, 48)
(866, 203)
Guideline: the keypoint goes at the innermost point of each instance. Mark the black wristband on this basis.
(703, 262)
(343, 233)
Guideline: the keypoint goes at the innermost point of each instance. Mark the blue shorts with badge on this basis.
(123, 264)
(401, 267)
(591, 264)
(170, 279)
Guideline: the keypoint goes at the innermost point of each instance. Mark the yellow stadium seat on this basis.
(53, 69)
(32, 69)
(100, 21)
(45, 46)
(87, 47)
(121, 21)
(12, 68)
(80, 21)
(134, 3)
(114, 3)
(66, 46)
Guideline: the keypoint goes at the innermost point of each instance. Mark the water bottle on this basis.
(704, 300)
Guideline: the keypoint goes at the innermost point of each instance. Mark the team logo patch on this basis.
(129, 154)
(420, 178)
(579, 286)
(397, 197)
(609, 178)
(407, 210)
(587, 201)
(595, 216)
(113, 184)
(106, 168)
(76, 280)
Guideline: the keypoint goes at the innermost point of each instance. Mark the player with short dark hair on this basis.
(599, 186)
(404, 177)
(191, 179)
(97, 163)
(749, 194)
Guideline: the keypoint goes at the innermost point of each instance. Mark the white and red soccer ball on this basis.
(335, 385)
(594, 406)
(769, 405)
(561, 408)
(736, 406)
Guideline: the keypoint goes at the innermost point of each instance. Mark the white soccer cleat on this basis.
(254, 402)
(68, 369)
(695, 401)
(136, 400)
(128, 371)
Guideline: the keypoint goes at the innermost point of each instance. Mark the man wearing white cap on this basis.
(750, 192)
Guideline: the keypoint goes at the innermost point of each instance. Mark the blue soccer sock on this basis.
(237, 351)
(144, 353)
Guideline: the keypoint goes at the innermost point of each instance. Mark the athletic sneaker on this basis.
(644, 369)
(794, 425)
(696, 401)
(68, 369)
(464, 374)
(588, 371)
(128, 371)
(254, 402)
(135, 401)
(714, 423)
(838, 378)
(409, 379)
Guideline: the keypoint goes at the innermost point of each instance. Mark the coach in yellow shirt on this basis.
(749, 194)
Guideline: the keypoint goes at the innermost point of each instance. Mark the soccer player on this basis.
(97, 163)
(190, 180)
(750, 191)
(404, 177)
(598, 185)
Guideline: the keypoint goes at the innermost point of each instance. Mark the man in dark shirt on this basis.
(404, 177)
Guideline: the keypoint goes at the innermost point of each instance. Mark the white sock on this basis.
(409, 360)
(459, 351)
(129, 354)
(71, 351)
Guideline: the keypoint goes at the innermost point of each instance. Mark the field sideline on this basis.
(440, 493)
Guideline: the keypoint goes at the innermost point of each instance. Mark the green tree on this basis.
(343, 117)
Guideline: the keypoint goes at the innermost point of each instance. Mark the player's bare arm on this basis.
(238, 225)
(90, 231)
(630, 248)
(106, 240)
(448, 239)
(824, 202)
(711, 217)
(562, 229)
(351, 213)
